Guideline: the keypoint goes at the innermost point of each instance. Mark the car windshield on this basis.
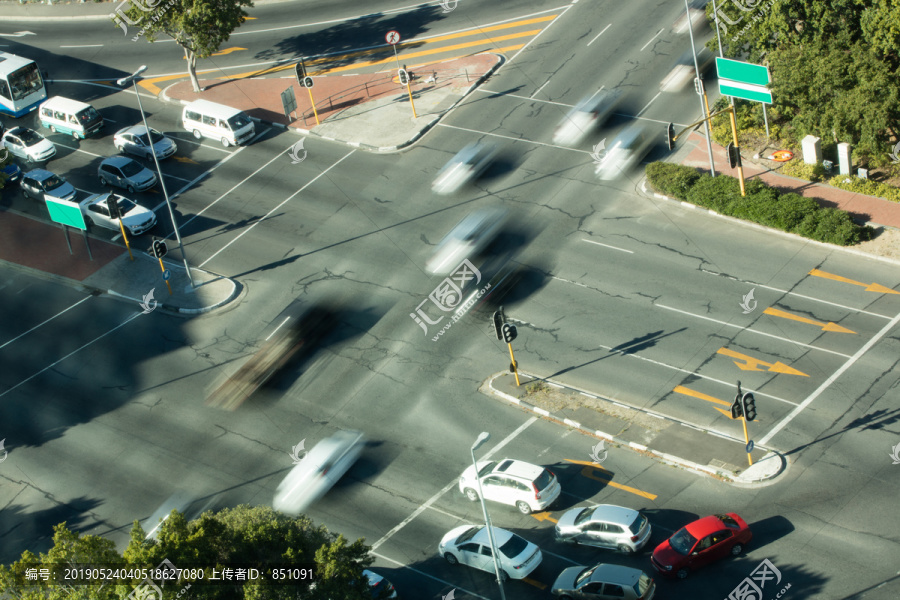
(468, 534)
(29, 137)
(53, 182)
(125, 205)
(513, 547)
(88, 115)
(157, 137)
(543, 480)
(682, 541)
(638, 523)
(643, 584)
(583, 516)
(238, 121)
(131, 168)
(486, 469)
(584, 575)
(729, 522)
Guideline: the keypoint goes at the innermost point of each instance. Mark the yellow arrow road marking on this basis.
(535, 583)
(825, 326)
(184, 159)
(222, 53)
(587, 472)
(870, 287)
(751, 364)
(544, 516)
(689, 392)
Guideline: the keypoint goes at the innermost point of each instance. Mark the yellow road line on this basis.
(535, 583)
(871, 287)
(689, 392)
(589, 466)
(825, 326)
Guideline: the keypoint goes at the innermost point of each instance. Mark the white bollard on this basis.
(812, 150)
(844, 159)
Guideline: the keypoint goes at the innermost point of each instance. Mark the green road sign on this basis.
(757, 93)
(67, 213)
(736, 70)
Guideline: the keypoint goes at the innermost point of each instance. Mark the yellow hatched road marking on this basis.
(689, 392)
(535, 583)
(589, 466)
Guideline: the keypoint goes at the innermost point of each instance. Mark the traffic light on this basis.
(509, 333)
(670, 136)
(734, 155)
(112, 204)
(749, 407)
(497, 320)
(301, 72)
(737, 411)
(159, 248)
(404, 76)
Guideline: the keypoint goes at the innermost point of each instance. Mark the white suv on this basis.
(528, 487)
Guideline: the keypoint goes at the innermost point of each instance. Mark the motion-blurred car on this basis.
(603, 582)
(695, 17)
(528, 487)
(12, 172)
(125, 173)
(683, 72)
(604, 526)
(318, 471)
(699, 543)
(469, 237)
(585, 117)
(296, 330)
(135, 217)
(28, 145)
(134, 140)
(470, 545)
(468, 164)
(41, 184)
(626, 151)
(379, 586)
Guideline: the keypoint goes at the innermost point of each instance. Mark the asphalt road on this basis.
(103, 406)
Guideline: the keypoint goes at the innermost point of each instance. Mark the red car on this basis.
(699, 543)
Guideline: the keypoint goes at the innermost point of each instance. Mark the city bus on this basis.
(21, 85)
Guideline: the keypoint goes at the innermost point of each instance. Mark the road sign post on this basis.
(307, 82)
(509, 334)
(403, 76)
(393, 37)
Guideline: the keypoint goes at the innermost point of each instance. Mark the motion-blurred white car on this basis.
(466, 166)
(470, 545)
(628, 149)
(318, 471)
(466, 240)
(695, 17)
(683, 72)
(585, 117)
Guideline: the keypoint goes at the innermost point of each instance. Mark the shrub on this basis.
(715, 193)
(792, 209)
(671, 179)
(801, 170)
(853, 183)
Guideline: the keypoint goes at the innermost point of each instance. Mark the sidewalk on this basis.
(670, 441)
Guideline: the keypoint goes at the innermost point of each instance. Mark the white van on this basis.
(217, 121)
(78, 119)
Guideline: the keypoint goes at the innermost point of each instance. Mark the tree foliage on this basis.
(238, 536)
(200, 27)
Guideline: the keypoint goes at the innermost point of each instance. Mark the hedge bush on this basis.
(762, 204)
(852, 183)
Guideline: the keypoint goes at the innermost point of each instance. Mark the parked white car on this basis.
(135, 217)
(470, 545)
(318, 471)
(526, 486)
(28, 144)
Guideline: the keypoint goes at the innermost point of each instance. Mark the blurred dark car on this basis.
(12, 172)
(296, 331)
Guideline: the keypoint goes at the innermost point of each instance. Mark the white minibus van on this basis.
(217, 121)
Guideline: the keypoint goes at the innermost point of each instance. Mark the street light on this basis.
(482, 438)
(133, 79)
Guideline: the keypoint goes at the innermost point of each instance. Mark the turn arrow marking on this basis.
(870, 287)
(544, 516)
(752, 364)
(834, 327)
(18, 34)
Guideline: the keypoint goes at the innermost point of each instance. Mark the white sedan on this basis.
(470, 545)
(318, 471)
(28, 144)
(135, 217)
(133, 140)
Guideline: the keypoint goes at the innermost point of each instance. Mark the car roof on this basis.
(614, 514)
(116, 161)
(617, 574)
(39, 174)
(59, 102)
(501, 536)
(18, 130)
(135, 129)
(705, 526)
(518, 468)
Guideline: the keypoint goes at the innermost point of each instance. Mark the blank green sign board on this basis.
(66, 213)
(736, 70)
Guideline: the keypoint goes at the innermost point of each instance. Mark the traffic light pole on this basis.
(712, 166)
(513, 364)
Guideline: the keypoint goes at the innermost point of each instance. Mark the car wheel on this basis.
(504, 576)
(25, 192)
(625, 549)
(523, 507)
(53, 128)
(225, 142)
(103, 180)
(197, 134)
(130, 189)
(450, 558)
(471, 494)
(682, 573)
(737, 549)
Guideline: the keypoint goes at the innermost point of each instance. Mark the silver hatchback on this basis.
(605, 526)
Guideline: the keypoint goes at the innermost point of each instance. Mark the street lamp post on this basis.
(122, 83)
(482, 438)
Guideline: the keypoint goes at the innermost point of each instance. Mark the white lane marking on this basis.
(532, 40)
(24, 381)
(45, 322)
(599, 34)
(793, 414)
(515, 139)
(597, 92)
(427, 504)
(285, 201)
(750, 330)
(648, 106)
(538, 90)
(235, 186)
(484, 91)
(805, 297)
(608, 246)
(424, 574)
(85, 46)
(651, 39)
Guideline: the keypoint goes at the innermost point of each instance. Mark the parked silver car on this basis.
(604, 526)
(603, 582)
(125, 173)
(41, 184)
(134, 140)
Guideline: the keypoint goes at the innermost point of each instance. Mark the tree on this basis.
(200, 27)
(241, 536)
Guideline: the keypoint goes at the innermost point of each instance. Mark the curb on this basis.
(649, 192)
(640, 448)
